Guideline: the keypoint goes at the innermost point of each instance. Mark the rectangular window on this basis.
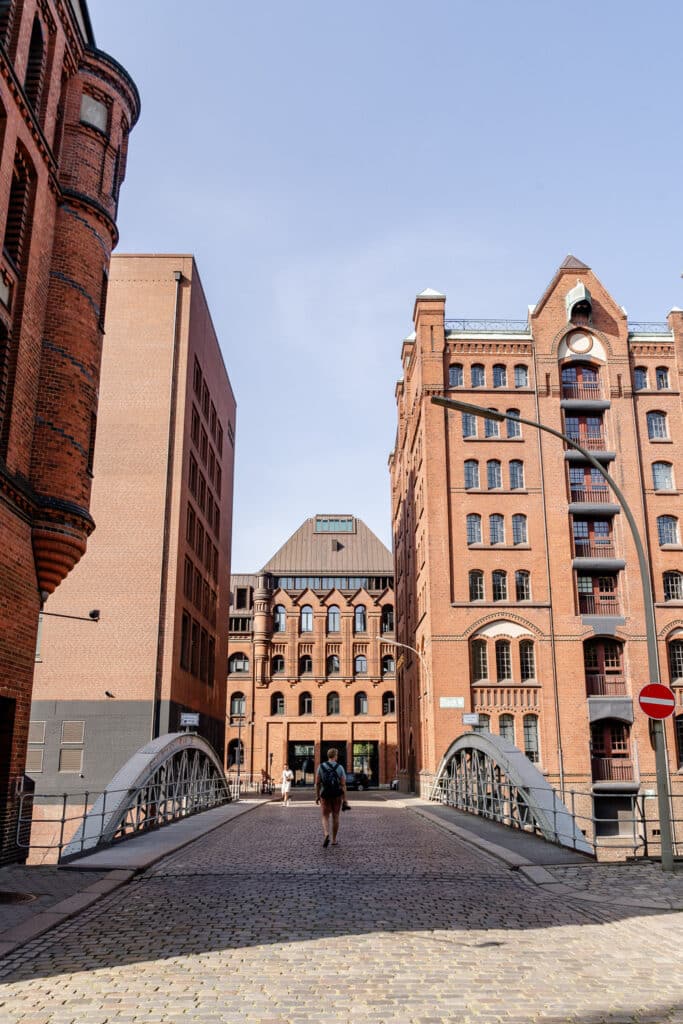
(185, 641)
(219, 437)
(94, 112)
(194, 648)
(36, 732)
(522, 585)
(34, 760)
(204, 446)
(521, 377)
(71, 760)
(212, 421)
(471, 473)
(474, 529)
(494, 476)
(516, 475)
(189, 528)
(492, 428)
(496, 530)
(205, 399)
(194, 426)
(197, 378)
(455, 376)
(192, 480)
(500, 586)
(219, 481)
(188, 579)
(199, 540)
(500, 377)
(197, 600)
(212, 465)
(469, 425)
(217, 521)
(662, 378)
(201, 491)
(519, 533)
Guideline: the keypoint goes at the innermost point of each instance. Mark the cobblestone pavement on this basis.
(400, 924)
(48, 884)
(617, 883)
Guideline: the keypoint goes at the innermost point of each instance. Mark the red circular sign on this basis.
(657, 701)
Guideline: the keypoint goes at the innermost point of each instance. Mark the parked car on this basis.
(357, 780)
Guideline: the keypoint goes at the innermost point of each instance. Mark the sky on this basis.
(325, 162)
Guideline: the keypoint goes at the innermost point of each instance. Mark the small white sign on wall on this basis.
(451, 702)
(471, 718)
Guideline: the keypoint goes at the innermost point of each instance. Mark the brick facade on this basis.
(66, 110)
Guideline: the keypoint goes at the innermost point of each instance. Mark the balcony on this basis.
(598, 685)
(599, 604)
(612, 769)
(594, 549)
(592, 495)
(586, 390)
(592, 441)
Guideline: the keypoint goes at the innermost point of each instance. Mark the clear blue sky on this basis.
(327, 161)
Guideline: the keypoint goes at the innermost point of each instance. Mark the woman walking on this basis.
(287, 778)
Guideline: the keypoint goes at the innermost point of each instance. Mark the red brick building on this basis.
(66, 110)
(516, 574)
(312, 655)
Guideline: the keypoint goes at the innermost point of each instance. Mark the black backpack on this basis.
(331, 787)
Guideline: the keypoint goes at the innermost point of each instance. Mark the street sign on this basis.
(470, 718)
(189, 719)
(657, 701)
(451, 702)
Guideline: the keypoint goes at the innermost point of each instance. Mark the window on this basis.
(388, 703)
(673, 586)
(238, 705)
(513, 429)
(500, 376)
(469, 425)
(478, 376)
(335, 524)
(527, 659)
(359, 620)
(388, 665)
(474, 529)
(455, 376)
(333, 704)
(185, 629)
(277, 704)
(521, 376)
(500, 585)
(235, 753)
(676, 659)
(496, 529)
(279, 619)
(494, 474)
(476, 585)
(333, 619)
(332, 665)
(360, 665)
(305, 704)
(19, 211)
(656, 426)
(503, 660)
(483, 725)
(238, 662)
(662, 377)
(192, 478)
(492, 427)
(197, 378)
(388, 618)
(94, 112)
(667, 530)
(471, 474)
(522, 585)
(640, 378)
(306, 619)
(277, 665)
(679, 739)
(480, 661)
(531, 737)
(506, 728)
(516, 475)
(663, 476)
(360, 704)
(519, 531)
(305, 664)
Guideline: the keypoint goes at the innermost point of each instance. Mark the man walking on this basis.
(330, 793)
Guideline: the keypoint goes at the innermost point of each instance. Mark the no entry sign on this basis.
(657, 701)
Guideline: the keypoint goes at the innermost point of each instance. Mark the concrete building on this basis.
(66, 110)
(312, 655)
(158, 567)
(516, 574)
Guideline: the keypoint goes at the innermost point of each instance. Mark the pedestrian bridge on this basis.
(483, 774)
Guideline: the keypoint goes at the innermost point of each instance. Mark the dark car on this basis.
(357, 780)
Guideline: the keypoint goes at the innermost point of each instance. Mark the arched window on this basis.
(277, 704)
(360, 624)
(492, 427)
(480, 661)
(474, 529)
(387, 618)
(238, 662)
(238, 705)
(522, 585)
(484, 724)
(305, 704)
(235, 753)
(33, 84)
(478, 375)
(656, 425)
(676, 660)
(333, 619)
(513, 428)
(279, 619)
(471, 474)
(519, 534)
(388, 665)
(496, 529)
(500, 376)
(662, 476)
(455, 376)
(333, 705)
(494, 474)
(469, 425)
(360, 665)
(306, 619)
(476, 578)
(305, 664)
(506, 727)
(673, 585)
(388, 703)
(516, 475)
(639, 378)
(531, 748)
(20, 211)
(360, 704)
(332, 665)
(527, 659)
(277, 665)
(499, 582)
(667, 529)
(503, 661)
(521, 376)
(662, 377)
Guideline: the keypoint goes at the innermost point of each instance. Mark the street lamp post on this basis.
(240, 719)
(663, 793)
(425, 668)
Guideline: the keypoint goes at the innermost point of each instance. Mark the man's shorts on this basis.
(332, 806)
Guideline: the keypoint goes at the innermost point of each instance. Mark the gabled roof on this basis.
(572, 263)
(332, 554)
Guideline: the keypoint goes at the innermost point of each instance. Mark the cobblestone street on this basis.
(401, 922)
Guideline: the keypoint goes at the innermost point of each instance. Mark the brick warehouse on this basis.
(158, 567)
(66, 110)
(312, 655)
(516, 574)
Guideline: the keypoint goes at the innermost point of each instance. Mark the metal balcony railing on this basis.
(598, 604)
(598, 685)
(587, 389)
(593, 441)
(593, 549)
(612, 769)
(596, 495)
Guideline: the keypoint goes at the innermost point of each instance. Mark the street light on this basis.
(663, 793)
(240, 719)
(395, 643)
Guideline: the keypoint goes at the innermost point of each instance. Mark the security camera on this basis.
(108, 693)
(44, 594)
(94, 615)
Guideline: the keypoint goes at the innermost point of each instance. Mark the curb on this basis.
(512, 860)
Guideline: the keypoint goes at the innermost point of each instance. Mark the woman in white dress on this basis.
(287, 779)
